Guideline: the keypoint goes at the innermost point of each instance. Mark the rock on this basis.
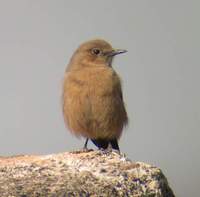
(91, 173)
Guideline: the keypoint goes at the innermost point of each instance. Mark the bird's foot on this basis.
(87, 149)
(115, 151)
(108, 151)
(105, 151)
(83, 150)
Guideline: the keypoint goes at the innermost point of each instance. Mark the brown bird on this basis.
(93, 105)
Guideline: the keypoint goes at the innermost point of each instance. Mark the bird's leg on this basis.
(109, 148)
(84, 149)
(115, 145)
(85, 145)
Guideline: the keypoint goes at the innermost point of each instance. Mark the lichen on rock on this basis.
(88, 173)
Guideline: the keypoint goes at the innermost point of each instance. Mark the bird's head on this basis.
(94, 53)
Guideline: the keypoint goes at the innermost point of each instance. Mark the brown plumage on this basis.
(93, 106)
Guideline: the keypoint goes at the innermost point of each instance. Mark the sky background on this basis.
(160, 74)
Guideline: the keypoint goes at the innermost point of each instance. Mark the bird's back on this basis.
(92, 103)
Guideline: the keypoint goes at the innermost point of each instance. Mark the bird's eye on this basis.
(96, 51)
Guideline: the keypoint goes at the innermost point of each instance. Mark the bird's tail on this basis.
(103, 144)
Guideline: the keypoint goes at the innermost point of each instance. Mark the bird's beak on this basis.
(116, 52)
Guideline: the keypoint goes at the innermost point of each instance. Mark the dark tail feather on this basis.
(100, 143)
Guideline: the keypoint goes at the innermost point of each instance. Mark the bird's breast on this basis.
(93, 81)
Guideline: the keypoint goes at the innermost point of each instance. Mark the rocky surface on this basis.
(92, 173)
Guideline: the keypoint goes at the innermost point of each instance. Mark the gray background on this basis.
(160, 78)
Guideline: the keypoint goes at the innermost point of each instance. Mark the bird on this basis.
(93, 105)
